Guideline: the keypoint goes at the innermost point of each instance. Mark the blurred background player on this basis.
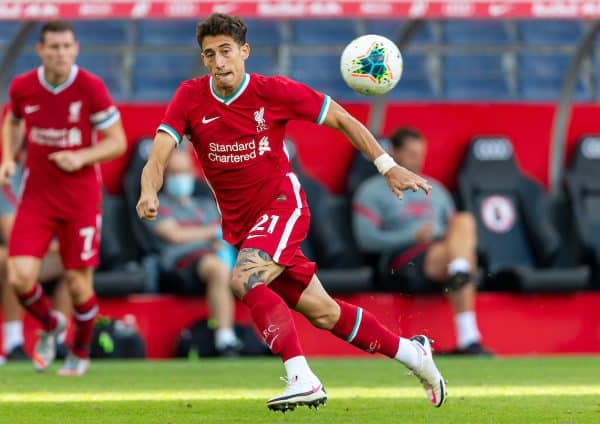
(190, 233)
(61, 107)
(423, 241)
(51, 271)
(236, 122)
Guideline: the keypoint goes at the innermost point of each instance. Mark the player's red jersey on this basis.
(60, 118)
(240, 142)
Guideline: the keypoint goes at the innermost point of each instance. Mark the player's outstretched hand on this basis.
(7, 170)
(67, 160)
(400, 179)
(147, 206)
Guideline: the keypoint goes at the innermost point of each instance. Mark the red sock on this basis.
(274, 321)
(35, 302)
(360, 328)
(84, 326)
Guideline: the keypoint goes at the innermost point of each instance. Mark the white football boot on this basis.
(74, 366)
(299, 391)
(430, 377)
(45, 348)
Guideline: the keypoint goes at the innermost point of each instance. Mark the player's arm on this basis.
(170, 231)
(398, 177)
(113, 144)
(12, 137)
(153, 175)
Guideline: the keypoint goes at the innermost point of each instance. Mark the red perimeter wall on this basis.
(511, 324)
(327, 155)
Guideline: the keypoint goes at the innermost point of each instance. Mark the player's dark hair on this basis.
(402, 134)
(222, 24)
(55, 26)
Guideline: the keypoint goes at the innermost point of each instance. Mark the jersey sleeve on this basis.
(302, 102)
(103, 112)
(174, 122)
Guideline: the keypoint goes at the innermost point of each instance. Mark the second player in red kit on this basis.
(61, 108)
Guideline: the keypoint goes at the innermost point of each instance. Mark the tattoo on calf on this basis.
(255, 262)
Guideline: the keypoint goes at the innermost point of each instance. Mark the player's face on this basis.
(411, 155)
(58, 52)
(224, 59)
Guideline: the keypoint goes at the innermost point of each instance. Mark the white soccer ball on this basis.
(371, 65)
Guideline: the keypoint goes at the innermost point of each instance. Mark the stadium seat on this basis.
(102, 32)
(7, 32)
(541, 76)
(550, 32)
(157, 76)
(516, 240)
(323, 31)
(414, 84)
(475, 77)
(262, 62)
(392, 28)
(475, 33)
(389, 28)
(306, 68)
(120, 273)
(181, 33)
(488, 89)
(145, 241)
(263, 33)
(583, 188)
(25, 62)
(109, 67)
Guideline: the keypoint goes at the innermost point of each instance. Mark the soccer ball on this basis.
(371, 65)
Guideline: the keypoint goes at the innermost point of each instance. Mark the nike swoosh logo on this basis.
(32, 108)
(255, 235)
(206, 120)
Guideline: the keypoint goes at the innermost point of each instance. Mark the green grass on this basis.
(536, 390)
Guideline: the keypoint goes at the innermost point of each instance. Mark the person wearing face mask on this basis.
(192, 250)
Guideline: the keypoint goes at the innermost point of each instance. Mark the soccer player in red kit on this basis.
(236, 122)
(62, 107)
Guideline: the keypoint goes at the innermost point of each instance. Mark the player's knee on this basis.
(21, 277)
(78, 285)
(325, 315)
(238, 283)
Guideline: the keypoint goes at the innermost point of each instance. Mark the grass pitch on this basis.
(535, 390)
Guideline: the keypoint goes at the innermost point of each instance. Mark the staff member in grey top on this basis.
(422, 239)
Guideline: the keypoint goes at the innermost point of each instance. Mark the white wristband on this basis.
(384, 163)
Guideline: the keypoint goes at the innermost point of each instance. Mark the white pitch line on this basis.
(334, 393)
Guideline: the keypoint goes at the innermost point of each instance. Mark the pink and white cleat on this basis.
(74, 366)
(45, 348)
(430, 377)
(298, 392)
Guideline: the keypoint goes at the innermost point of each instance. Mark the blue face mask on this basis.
(180, 185)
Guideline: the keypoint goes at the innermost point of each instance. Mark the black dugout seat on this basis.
(583, 188)
(146, 242)
(119, 273)
(517, 242)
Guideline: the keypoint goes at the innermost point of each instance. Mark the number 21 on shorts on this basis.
(265, 221)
